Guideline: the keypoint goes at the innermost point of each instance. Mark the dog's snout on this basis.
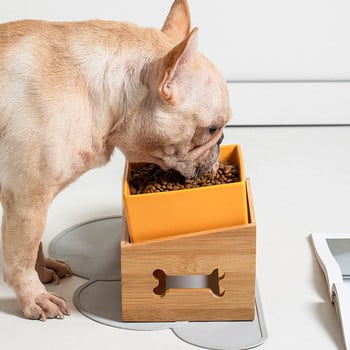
(220, 139)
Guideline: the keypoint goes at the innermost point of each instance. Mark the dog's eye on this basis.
(213, 129)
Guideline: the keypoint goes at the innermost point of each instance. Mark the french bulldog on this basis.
(70, 93)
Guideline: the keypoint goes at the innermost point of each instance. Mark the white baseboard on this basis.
(290, 103)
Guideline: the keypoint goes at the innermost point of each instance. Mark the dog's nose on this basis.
(220, 139)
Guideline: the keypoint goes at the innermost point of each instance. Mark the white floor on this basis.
(301, 184)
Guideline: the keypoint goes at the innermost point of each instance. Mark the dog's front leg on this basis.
(24, 220)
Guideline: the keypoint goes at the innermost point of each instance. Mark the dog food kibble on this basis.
(150, 178)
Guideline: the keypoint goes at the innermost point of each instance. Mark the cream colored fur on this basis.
(72, 92)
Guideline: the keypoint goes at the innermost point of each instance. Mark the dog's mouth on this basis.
(192, 169)
(186, 170)
(194, 172)
(202, 170)
(198, 172)
(192, 163)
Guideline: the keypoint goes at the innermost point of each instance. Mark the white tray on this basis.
(333, 254)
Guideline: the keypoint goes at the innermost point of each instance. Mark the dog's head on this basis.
(180, 122)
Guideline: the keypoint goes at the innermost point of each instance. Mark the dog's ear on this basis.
(178, 23)
(175, 64)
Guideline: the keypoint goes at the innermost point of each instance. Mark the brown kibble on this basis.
(149, 178)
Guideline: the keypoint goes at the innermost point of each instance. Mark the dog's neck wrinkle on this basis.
(115, 79)
(120, 87)
(126, 90)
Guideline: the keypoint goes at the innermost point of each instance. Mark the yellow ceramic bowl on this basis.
(158, 215)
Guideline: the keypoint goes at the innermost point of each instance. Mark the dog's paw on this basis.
(44, 306)
(52, 270)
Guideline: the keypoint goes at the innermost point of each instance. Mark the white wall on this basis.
(251, 41)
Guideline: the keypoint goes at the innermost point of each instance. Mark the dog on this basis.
(70, 93)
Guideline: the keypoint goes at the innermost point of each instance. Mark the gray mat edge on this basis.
(173, 326)
(111, 323)
(261, 321)
(52, 250)
(168, 325)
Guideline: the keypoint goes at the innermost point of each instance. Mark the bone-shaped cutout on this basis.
(166, 282)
